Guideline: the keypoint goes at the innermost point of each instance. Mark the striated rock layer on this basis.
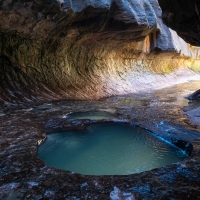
(86, 49)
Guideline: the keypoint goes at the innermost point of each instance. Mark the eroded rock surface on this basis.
(24, 176)
(85, 49)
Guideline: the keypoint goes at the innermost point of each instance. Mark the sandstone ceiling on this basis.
(84, 49)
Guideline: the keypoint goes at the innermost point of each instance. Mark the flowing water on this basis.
(107, 149)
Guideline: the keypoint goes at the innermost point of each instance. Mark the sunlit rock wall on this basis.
(52, 50)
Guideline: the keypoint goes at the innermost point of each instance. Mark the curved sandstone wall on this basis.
(86, 49)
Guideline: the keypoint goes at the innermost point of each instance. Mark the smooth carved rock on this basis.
(183, 16)
(54, 50)
(97, 16)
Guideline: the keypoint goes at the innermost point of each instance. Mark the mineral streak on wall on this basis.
(51, 50)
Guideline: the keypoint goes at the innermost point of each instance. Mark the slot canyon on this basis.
(136, 61)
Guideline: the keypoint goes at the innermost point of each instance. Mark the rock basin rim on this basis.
(184, 146)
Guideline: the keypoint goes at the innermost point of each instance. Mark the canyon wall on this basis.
(52, 50)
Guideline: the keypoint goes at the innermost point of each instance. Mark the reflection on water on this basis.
(107, 149)
(176, 94)
(42, 108)
(129, 101)
(179, 101)
(93, 115)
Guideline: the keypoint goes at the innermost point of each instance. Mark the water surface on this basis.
(107, 149)
(93, 115)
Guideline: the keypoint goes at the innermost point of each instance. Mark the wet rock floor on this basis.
(23, 127)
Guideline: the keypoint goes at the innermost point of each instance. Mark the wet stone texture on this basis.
(24, 176)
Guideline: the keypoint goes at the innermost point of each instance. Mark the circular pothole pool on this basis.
(107, 149)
